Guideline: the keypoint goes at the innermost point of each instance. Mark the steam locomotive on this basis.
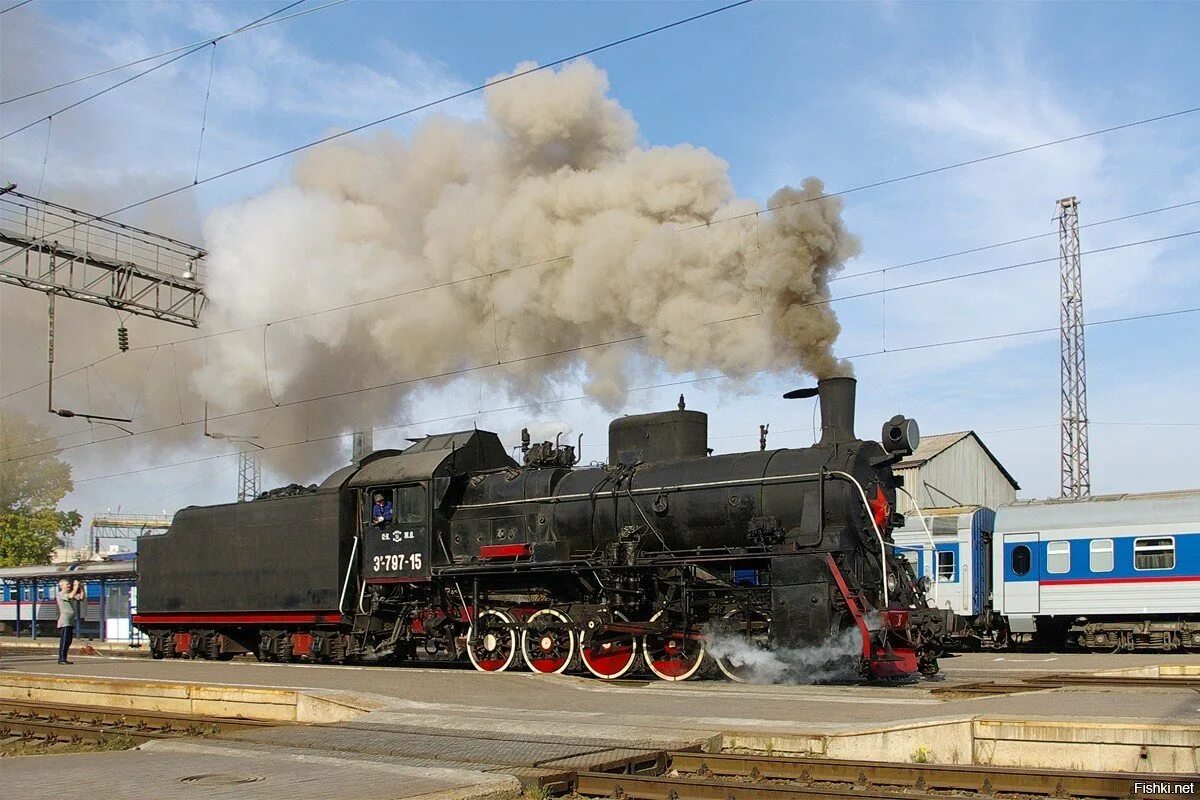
(556, 567)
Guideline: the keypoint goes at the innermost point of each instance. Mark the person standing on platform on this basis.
(68, 593)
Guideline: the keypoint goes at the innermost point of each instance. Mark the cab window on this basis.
(410, 504)
(378, 506)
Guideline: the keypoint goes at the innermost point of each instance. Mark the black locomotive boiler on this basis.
(554, 567)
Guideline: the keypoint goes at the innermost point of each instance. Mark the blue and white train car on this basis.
(951, 548)
(1116, 572)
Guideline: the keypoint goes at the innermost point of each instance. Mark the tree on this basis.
(32, 482)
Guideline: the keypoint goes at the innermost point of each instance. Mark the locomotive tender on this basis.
(557, 567)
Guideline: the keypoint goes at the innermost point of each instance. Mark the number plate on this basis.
(399, 552)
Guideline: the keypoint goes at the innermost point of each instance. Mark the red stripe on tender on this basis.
(1147, 579)
(238, 618)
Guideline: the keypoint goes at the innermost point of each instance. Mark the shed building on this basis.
(954, 469)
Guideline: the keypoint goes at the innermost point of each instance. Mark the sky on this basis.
(853, 93)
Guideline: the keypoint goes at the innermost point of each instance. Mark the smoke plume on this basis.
(550, 233)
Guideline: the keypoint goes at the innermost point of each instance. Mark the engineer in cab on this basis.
(381, 511)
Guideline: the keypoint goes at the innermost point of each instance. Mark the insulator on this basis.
(123, 339)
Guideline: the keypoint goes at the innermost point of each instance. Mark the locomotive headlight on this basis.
(925, 584)
(891, 583)
(900, 435)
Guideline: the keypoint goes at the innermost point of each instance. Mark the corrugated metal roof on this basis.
(88, 569)
(930, 446)
(935, 444)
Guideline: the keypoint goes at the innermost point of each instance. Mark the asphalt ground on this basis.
(451, 733)
(704, 704)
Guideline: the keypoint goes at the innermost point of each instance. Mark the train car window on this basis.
(1058, 557)
(1100, 555)
(1022, 559)
(410, 504)
(945, 566)
(1157, 553)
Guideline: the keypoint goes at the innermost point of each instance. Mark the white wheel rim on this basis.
(525, 641)
(721, 662)
(633, 654)
(512, 650)
(683, 677)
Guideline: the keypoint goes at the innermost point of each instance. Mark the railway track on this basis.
(60, 722)
(1060, 681)
(727, 776)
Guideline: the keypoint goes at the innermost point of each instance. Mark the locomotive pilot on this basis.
(381, 512)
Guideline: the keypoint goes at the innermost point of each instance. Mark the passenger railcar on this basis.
(1119, 572)
(1107, 573)
(951, 550)
(555, 567)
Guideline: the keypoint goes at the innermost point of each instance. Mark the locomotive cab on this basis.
(419, 483)
(396, 544)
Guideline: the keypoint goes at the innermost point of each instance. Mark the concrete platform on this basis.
(484, 727)
(193, 769)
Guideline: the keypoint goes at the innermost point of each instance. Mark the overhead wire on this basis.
(959, 164)
(14, 7)
(1009, 242)
(542, 262)
(718, 221)
(668, 384)
(389, 385)
(399, 114)
(201, 43)
(143, 73)
(599, 48)
(200, 482)
(276, 403)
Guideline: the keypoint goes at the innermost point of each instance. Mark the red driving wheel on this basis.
(491, 645)
(673, 655)
(610, 656)
(548, 643)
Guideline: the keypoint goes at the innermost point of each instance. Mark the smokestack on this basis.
(837, 409)
(362, 445)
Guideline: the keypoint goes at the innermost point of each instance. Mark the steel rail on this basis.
(1044, 682)
(644, 787)
(53, 732)
(722, 776)
(959, 777)
(78, 720)
(1091, 679)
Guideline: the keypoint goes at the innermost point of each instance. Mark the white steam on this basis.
(552, 175)
(835, 659)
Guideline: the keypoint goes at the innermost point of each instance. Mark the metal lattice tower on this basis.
(249, 475)
(1076, 468)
